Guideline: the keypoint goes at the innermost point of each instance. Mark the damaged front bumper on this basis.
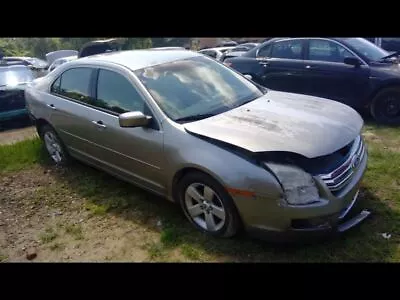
(335, 214)
(326, 226)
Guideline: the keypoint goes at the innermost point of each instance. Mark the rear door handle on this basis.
(51, 106)
(99, 124)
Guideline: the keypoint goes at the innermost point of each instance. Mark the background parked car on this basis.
(37, 65)
(13, 80)
(52, 56)
(238, 50)
(60, 61)
(353, 71)
(215, 53)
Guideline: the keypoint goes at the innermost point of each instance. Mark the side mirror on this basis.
(134, 119)
(353, 61)
(249, 77)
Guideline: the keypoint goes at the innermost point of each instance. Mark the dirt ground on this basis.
(14, 135)
(61, 228)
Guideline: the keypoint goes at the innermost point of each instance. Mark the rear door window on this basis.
(74, 84)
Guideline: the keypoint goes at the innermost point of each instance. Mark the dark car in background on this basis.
(13, 80)
(353, 71)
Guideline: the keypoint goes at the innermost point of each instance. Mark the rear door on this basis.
(282, 65)
(70, 106)
(328, 76)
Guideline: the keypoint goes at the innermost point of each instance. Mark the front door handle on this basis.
(99, 124)
(264, 63)
(51, 106)
(309, 67)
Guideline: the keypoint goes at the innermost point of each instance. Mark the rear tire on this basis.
(385, 107)
(54, 146)
(208, 206)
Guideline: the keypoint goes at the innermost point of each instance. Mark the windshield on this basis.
(15, 76)
(366, 48)
(196, 86)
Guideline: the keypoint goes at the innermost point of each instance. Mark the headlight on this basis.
(299, 187)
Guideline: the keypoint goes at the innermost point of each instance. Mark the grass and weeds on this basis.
(21, 155)
(102, 195)
(75, 230)
(48, 235)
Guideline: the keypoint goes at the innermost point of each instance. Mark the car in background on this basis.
(390, 44)
(350, 70)
(228, 44)
(216, 52)
(13, 81)
(54, 55)
(60, 61)
(100, 46)
(37, 65)
(231, 153)
(238, 50)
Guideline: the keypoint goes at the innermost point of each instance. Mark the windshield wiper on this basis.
(194, 117)
(389, 56)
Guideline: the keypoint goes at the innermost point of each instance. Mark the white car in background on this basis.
(216, 52)
(58, 62)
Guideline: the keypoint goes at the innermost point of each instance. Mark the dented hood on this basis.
(279, 121)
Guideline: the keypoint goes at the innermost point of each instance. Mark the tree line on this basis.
(38, 47)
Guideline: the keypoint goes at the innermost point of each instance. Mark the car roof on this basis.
(138, 59)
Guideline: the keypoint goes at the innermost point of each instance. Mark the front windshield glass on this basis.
(14, 76)
(196, 86)
(366, 48)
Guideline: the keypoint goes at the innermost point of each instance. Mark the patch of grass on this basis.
(75, 231)
(21, 155)
(156, 250)
(3, 257)
(96, 209)
(48, 235)
(57, 247)
(190, 252)
(170, 237)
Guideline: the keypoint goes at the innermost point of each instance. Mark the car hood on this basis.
(279, 121)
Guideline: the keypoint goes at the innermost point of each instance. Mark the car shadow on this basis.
(19, 123)
(365, 243)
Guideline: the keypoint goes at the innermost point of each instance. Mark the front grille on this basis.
(340, 177)
(11, 100)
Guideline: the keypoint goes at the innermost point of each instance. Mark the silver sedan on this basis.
(232, 154)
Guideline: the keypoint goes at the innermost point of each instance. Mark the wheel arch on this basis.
(384, 85)
(184, 171)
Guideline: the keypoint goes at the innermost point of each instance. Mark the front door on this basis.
(133, 152)
(329, 77)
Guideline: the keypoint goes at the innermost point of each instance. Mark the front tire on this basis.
(385, 107)
(208, 206)
(54, 146)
